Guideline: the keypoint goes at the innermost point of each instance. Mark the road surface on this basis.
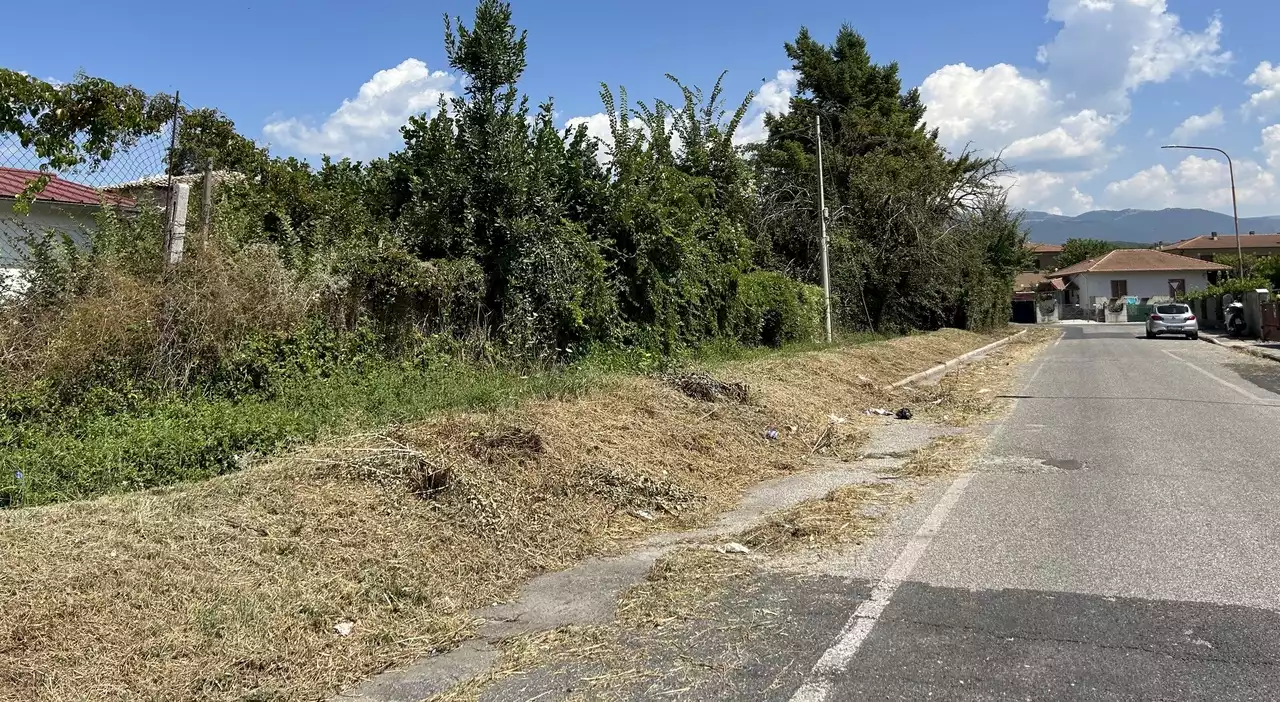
(1147, 567)
(1120, 540)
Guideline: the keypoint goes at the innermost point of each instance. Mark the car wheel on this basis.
(1151, 334)
(1193, 336)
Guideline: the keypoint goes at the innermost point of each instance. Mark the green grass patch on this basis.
(177, 439)
(83, 451)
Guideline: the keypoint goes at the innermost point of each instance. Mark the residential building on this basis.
(1215, 244)
(62, 207)
(1138, 274)
(1046, 255)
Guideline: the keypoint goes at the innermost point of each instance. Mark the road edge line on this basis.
(835, 660)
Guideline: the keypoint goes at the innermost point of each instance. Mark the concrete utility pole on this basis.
(1235, 210)
(822, 215)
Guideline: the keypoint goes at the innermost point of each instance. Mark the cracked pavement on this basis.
(1118, 540)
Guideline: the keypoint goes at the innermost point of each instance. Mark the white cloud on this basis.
(1054, 193)
(1107, 48)
(1266, 78)
(1271, 146)
(774, 97)
(1059, 118)
(1198, 124)
(368, 125)
(1079, 139)
(995, 105)
(1196, 182)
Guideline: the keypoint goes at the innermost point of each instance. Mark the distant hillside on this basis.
(1146, 226)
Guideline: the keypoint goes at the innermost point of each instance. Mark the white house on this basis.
(1134, 273)
(62, 206)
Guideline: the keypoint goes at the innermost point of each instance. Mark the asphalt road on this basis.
(1120, 540)
(1139, 561)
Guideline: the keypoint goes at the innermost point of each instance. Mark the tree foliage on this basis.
(1077, 250)
(919, 239)
(492, 221)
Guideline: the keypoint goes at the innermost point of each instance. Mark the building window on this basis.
(1119, 288)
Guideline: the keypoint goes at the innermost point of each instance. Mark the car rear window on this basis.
(1172, 309)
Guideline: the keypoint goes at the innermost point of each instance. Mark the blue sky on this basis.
(1078, 94)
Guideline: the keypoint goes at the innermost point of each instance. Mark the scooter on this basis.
(1234, 316)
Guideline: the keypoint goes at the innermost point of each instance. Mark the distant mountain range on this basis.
(1140, 226)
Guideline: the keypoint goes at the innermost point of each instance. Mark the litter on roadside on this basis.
(645, 515)
(877, 412)
(904, 413)
(733, 547)
(836, 419)
(771, 434)
(344, 627)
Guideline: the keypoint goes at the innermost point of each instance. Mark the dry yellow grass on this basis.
(835, 520)
(945, 455)
(231, 589)
(977, 394)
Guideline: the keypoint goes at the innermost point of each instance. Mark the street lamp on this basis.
(1235, 209)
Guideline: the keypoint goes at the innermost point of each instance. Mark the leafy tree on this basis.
(910, 226)
(206, 135)
(1077, 250)
(78, 124)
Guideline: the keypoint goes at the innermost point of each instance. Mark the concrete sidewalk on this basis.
(1262, 349)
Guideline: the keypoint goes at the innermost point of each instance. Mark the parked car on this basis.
(1173, 319)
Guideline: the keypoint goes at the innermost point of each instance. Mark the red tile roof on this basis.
(1044, 248)
(1227, 242)
(14, 180)
(1138, 260)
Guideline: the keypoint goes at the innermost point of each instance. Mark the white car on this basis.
(1172, 319)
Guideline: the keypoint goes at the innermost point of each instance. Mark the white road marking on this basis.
(1215, 378)
(836, 659)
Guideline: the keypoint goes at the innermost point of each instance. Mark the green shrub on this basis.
(773, 310)
(1235, 286)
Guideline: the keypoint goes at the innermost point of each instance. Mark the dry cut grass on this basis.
(838, 519)
(296, 578)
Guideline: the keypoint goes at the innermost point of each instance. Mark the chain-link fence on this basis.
(135, 175)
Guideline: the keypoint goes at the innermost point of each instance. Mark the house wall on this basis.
(1208, 254)
(1141, 285)
(1047, 261)
(75, 221)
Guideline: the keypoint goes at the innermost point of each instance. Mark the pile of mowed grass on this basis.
(296, 578)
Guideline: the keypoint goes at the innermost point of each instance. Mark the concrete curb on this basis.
(1241, 349)
(944, 367)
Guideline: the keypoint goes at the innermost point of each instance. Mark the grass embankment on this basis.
(235, 587)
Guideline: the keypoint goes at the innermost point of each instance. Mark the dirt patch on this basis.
(296, 578)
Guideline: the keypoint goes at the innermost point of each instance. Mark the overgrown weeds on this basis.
(232, 587)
